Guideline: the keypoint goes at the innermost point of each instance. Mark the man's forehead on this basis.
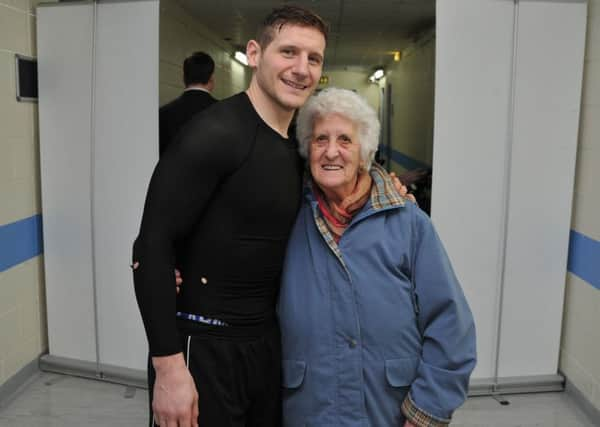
(299, 34)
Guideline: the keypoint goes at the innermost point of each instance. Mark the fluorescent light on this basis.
(377, 75)
(241, 57)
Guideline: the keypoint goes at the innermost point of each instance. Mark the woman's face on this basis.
(335, 155)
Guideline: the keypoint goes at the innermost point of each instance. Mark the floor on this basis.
(61, 401)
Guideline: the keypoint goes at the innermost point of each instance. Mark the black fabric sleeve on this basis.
(162, 134)
(207, 151)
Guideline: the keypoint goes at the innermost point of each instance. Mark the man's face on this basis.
(289, 68)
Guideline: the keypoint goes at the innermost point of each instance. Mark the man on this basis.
(235, 179)
(199, 80)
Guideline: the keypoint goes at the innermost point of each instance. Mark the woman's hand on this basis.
(409, 424)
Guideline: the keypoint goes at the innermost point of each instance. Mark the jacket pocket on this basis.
(293, 373)
(401, 372)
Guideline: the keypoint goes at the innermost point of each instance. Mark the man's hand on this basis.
(401, 188)
(409, 424)
(175, 402)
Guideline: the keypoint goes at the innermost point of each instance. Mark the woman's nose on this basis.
(332, 150)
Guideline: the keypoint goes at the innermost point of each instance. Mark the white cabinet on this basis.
(98, 109)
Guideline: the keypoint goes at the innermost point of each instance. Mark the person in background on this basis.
(199, 80)
(375, 327)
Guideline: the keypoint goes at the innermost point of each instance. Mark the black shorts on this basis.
(238, 378)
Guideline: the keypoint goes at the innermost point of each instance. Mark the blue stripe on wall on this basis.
(404, 160)
(584, 258)
(20, 241)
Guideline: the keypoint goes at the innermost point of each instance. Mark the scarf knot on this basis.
(338, 215)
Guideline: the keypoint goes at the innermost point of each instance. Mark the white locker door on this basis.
(474, 48)
(125, 153)
(548, 77)
(65, 40)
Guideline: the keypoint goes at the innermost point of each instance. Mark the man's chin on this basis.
(294, 102)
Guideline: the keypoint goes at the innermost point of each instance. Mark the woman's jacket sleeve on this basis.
(444, 318)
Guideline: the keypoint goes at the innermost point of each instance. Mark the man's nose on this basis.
(301, 66)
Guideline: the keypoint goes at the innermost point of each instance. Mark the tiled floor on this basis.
(61, 401)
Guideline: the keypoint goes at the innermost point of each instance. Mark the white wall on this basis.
(22, 304)
(412, 80)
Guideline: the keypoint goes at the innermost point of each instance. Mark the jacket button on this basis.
(352, 343)
(204, 280)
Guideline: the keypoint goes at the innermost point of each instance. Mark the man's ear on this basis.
(253, 52)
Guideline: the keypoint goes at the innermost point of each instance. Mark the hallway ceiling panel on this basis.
(364, 33)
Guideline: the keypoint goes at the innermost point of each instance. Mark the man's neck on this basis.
(275, 116)
(197, 86)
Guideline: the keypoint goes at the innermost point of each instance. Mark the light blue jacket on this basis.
(358, 342)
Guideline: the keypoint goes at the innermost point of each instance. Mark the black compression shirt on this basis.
(223, 202)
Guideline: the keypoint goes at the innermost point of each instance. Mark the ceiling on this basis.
(363, 33)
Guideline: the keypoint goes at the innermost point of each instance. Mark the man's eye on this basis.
(314, 60)
(345, 139)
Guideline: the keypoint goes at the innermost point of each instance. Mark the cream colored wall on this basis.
(412, 81)
(580, 346)
(23, 334)
(354, 80)
(180, 36)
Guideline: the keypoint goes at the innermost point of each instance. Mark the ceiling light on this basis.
(241, 57)
(377, 75)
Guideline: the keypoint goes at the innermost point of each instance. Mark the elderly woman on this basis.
(376, 330)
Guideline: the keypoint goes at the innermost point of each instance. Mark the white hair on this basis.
(348, 104)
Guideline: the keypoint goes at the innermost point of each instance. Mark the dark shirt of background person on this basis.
(199, 80)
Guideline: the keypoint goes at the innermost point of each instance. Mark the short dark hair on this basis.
(289, 14)
(198, 68)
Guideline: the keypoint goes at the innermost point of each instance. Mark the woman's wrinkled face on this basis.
(335, 155)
